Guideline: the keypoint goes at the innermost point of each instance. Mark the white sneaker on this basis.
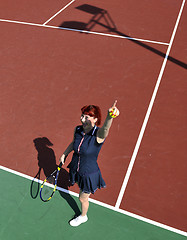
(78, 220)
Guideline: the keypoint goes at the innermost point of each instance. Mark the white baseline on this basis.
(100, 203)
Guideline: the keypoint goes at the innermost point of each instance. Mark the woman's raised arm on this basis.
(102, 133)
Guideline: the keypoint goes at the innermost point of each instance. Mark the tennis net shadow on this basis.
(108, 24)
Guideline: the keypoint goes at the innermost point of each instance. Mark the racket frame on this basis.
(55, 185)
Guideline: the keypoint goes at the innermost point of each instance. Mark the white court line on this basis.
(101, 203)
(116, 208)
(129, 170)
(59, 12)
(84, 31)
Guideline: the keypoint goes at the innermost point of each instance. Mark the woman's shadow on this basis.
(47, 161)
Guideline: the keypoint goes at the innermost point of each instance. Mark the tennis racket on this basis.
(49, 185)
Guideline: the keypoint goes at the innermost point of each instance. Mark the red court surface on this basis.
(48, 74)
(126, 16)
(30, 11)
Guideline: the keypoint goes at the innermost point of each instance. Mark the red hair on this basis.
(92, 111)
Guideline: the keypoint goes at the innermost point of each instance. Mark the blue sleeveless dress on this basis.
(83, 167)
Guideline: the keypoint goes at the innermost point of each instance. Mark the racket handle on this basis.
(60, 165)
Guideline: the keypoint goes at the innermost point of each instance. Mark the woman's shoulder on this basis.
(79, 128)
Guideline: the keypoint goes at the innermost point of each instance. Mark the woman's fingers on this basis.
(114, 104)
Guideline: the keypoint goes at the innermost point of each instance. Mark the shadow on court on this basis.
(108, 24)
(47, 162)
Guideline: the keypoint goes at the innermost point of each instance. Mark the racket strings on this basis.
(46, 191)
(51, 179)
(49, 186)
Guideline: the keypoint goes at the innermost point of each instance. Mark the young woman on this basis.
(87, 142)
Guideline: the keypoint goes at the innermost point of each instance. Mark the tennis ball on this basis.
(114, 113)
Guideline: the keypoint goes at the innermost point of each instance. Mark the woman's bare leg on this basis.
(83, 197)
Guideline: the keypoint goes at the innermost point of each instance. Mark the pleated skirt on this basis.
(88, 183)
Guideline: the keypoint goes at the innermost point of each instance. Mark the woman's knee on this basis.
(83, 197)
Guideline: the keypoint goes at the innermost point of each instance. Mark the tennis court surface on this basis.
(57, 56)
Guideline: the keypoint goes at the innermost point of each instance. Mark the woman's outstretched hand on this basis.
(113, 111)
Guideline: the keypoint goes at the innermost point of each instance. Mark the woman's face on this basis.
(88, 122)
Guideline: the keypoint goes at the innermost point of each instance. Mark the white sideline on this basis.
(132, 161)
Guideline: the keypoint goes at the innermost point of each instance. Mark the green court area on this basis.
(24, 217)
